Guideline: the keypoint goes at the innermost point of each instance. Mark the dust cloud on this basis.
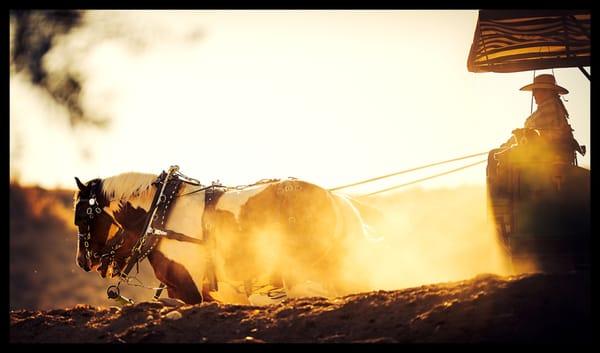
(411, 238)
(429, 236)
(405, 239)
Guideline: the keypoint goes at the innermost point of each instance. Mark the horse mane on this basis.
(127, 185)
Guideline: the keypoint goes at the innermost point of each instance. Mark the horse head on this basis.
(107, 229)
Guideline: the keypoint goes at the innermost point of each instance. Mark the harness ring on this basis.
(113, 292)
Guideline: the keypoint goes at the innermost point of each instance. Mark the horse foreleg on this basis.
(178, 280)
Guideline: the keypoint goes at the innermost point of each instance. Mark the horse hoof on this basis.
(308, 289)
(258, 299)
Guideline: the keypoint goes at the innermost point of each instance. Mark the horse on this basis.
(288, 235)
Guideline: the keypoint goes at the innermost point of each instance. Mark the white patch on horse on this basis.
(186, 213)
(189, 255)
(233, 200)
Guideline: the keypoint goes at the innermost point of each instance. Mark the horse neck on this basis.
(185, 211)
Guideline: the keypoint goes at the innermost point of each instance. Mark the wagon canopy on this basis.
(523, 40)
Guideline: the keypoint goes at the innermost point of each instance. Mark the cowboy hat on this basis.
(545, 81)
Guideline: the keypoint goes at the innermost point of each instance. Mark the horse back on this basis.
(256, 227)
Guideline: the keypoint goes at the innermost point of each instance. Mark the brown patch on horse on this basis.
(180, 284)
(131, 217)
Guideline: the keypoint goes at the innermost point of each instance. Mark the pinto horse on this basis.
(275, 234)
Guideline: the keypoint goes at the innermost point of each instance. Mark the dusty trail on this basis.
(488, 308)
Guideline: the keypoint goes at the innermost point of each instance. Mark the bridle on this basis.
(94, 210)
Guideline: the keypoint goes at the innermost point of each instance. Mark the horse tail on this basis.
(358, 218)
(360, 241)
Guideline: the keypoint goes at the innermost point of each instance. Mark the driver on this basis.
(548, 122)
(551, 113)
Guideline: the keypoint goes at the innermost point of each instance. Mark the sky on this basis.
(331, 97)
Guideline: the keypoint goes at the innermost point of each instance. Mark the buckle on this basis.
(156, 231)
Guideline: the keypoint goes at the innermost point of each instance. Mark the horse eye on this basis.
(92, 202)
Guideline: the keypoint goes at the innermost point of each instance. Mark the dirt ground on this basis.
(539, 307)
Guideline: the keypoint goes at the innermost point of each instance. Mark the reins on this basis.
(228, 188)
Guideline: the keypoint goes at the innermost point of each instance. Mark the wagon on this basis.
(540, 206)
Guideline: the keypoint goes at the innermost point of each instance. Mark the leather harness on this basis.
(211, 196)
(168, 184)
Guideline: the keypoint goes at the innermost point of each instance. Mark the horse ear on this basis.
(80, 185)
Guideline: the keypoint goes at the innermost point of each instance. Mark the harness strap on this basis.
(159, 290)
(170, 234)
(211, 196)
(142, 247)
